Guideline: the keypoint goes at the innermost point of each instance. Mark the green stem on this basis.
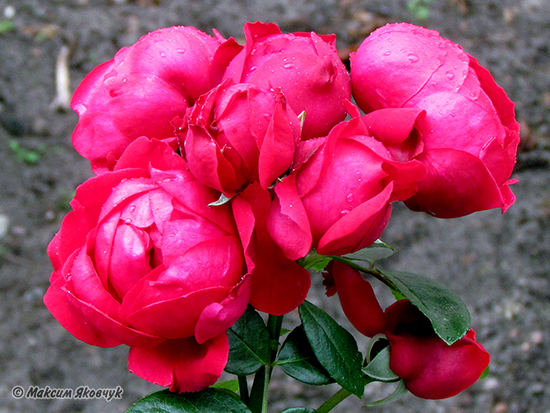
(243, 389)
(333, 401)
(259, 394)
(371, 271)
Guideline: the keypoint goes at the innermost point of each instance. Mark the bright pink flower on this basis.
(143, 88)
(357, 298)
(305, 66)
(279, 284)
(338, 200)
(430, 368)
(238, 133)
(143, 261)
(469, 134)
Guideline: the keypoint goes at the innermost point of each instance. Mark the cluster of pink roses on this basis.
(218, 166)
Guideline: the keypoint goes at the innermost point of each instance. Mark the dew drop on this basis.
(132, 208)
(162, 54)
(349, 198)
(181, 51)
(450, 75)
(345, 211)
(412, 58)
(387, 53)
(289, 66)
(128, 221)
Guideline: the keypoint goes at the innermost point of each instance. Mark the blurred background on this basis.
(499, 264)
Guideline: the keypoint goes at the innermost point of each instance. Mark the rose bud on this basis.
(469, 134)
(356, 297)
(143, 261)
(143, 88)
(338, 200)
(279, 284)
(305, 66)
(430, 367)
(239, 133)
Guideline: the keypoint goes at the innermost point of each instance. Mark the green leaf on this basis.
(220, 201)
(399, 392)
(335, 348)
(299, 410)
(210, 400)
(231, 385)
(446, 311)
(315, 261)
(249, 344)
(297, 359)
(6, 26)
(379, 368)
(485, 373)
(377, 251)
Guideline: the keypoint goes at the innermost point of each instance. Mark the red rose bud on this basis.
(239, 133)
(305, 66)
(339, 199)
(469, 134)
(143, 261)
(357, 299)
(431, 368)
(143, 88)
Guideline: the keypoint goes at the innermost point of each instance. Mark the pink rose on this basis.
(143, 261)
(305, 66)
(469, 134)
(357, 298)
(338, 200)
(143, 88)
(238, 133)
(430, 368)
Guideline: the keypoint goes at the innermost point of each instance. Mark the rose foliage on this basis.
(223, 172)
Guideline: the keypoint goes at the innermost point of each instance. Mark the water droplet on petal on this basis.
(387, 53)
(412, 58)
(349, 198)
(450, 75)
(181, 51)
(128, 221)
(162, 54)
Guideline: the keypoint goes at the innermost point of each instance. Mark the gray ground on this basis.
(498, 263)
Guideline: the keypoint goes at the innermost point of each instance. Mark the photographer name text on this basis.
(82, 393)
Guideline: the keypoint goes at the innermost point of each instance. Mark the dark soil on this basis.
(499, 264)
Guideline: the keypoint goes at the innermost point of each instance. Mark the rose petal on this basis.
(182, 364)
(457, 184)
(358, 300)
(287, 220)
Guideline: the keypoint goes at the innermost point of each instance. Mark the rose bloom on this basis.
(469, 134)
(140, 90)
(305, 66)
(238, 133)
(430, 367)
(143, 261)
(338, 198)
